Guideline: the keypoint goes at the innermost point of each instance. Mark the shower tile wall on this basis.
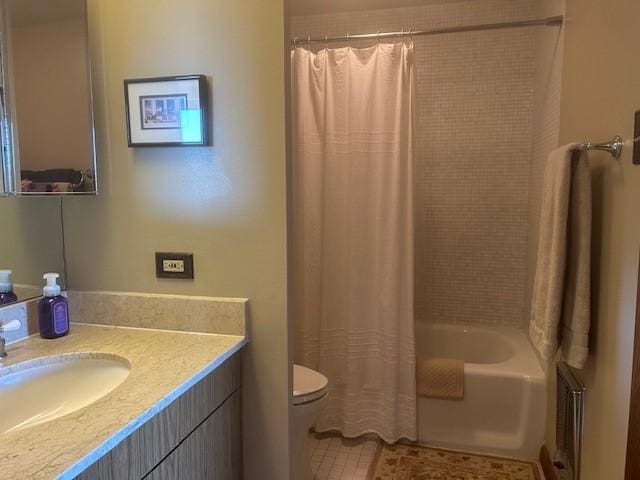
(475, 94)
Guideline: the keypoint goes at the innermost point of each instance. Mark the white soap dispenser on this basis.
(6, 288)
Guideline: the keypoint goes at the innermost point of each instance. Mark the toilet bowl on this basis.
(309, 398)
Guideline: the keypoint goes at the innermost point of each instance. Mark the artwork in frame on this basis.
(167, 111)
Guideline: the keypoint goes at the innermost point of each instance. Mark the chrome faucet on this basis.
(10, 326)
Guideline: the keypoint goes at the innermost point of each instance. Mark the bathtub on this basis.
(503, 411)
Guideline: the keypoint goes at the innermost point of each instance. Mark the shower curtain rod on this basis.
(549, 21)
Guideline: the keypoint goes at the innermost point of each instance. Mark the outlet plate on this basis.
(174, 265)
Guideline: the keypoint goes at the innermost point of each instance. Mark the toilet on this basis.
(309, 398)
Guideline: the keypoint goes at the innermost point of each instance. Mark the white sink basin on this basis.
(44, 389)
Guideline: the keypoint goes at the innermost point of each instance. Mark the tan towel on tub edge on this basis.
(440, 378)
(560, 306)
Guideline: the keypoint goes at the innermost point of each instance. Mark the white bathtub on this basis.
(503, 411)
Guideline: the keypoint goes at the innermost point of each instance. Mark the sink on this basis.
(47, 388)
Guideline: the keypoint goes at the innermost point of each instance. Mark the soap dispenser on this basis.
(53, 309)
(6, 288)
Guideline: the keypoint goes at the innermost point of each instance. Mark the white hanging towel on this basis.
(561, 300)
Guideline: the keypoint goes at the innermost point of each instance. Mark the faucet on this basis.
(10, 326)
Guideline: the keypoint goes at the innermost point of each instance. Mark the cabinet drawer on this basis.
(141, 451)
(212, 452)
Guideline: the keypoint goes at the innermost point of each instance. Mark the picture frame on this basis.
(167, 111)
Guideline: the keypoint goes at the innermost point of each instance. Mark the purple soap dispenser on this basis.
(53, 309)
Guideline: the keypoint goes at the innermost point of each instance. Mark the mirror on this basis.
(48, 131)
(30, 243)
(47, 134)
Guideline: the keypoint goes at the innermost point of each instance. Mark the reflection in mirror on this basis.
(31, 243)
(48, 99)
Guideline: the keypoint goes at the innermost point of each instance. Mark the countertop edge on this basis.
(82, 464)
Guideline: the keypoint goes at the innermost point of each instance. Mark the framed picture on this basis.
(167, 111)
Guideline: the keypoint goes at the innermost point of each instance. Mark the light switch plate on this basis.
(174, 265)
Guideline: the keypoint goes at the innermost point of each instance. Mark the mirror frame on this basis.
(10, 177)
(6, 132)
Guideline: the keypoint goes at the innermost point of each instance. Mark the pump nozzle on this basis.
(51, 289)
(5, 282)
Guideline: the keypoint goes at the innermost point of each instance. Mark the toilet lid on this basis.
(308, 385)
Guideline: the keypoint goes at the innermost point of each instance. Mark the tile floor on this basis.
(335, 458)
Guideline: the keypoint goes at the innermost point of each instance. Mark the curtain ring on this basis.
(309, 38)
(326, 41)
(295, 41)
(348, 39)
(378, 37)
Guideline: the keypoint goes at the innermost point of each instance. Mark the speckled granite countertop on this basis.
(164, 365)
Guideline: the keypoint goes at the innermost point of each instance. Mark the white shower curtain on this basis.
(353, 234)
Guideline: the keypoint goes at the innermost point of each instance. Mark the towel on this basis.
(440, 378)
(561, 299)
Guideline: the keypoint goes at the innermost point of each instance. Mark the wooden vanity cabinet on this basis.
(197, 437)
(212, 451)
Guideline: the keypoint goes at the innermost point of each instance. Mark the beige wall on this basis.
(51, 95)
(600, 92)
(225, 203)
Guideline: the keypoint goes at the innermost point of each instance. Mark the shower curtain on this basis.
(352, 237)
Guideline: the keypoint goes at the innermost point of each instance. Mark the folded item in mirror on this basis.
(58, 175)
(42, 187)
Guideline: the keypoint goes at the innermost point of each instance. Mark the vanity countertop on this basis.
(164, 365)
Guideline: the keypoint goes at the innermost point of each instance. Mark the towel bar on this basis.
(613, 146)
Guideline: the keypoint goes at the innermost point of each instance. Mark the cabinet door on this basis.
(212, 452)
